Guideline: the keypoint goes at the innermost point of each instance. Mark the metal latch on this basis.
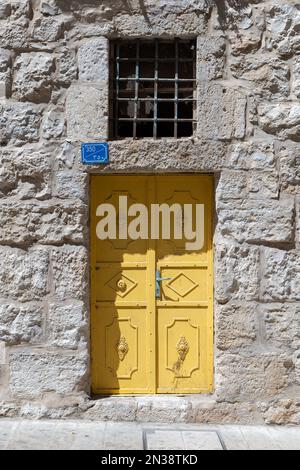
(158, 280)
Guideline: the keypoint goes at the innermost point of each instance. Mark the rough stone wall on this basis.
(53, 95)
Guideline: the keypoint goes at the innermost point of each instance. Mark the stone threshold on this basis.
(167, 409)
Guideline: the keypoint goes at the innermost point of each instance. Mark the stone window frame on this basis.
(182, 123)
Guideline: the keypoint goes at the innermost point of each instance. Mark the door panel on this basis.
(141, 343)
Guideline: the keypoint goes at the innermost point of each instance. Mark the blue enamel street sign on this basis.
(95, 153)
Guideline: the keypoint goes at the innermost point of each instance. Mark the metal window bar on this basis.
(183, 96)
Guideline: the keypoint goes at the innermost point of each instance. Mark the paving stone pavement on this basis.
(86, 435)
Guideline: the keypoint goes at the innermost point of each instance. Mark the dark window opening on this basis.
(153, 91)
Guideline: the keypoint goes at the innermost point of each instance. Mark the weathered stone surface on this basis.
(261, 376)
(164, 18)
(24, 274)
(93, 60)
(237, 271)
(265, 221)
(282, 325)
(66, 67)
(248, 185)
(210, 57)
(282, 27)
(53, 125)
(289, 160)
(87, 111)
(221, 112)
(258, 155)
(270, 77)
(5, 10)
(67, 325)
(5, 59)
(32, 77)
(21, 323)
(70, 272)
(50, 8)
(243, 413)
(282, 120)
(25, 172)
(71, 183)
(284, 411)
(19, 123)
(37, 372)
(47, 222)
(281, 276)
(296, 77)
(235, 325)
(48, 29)
(166, 155)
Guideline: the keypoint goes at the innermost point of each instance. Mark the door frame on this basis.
(214, 179)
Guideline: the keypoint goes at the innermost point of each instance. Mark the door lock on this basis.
(158, 281)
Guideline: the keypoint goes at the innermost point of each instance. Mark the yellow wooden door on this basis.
(142, 341)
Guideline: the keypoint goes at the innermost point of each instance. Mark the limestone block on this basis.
(257, 222)
(281, 275)
(236, 272)
(221, 112)
(5, 59)
(167, 155)
(269, 77)
(298, 222)
(5, 9)
(282, 120)
(261, 376)
(282, 325)
(67, 325)
(66, 67)
(20, 323)
(53, 124)
(210, 57)
(284, 411)
(47, 28)
(35, 373)
(47, 222)
(87, 111)
(49, 8)
(290, 169)
(70, 264)
(93, 60)
(19, 123)
(20, 8)
(251, 156)
(2, 353)
(69, 183)
(235, 325)
(22, 167)
(13, 31)
(32, 77)
(246, 41)
(24, 274)
(296, 77)
(171, 18)
(3, 89)
(248, 185)
(282, 23)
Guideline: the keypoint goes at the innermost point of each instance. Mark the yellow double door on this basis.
(150, 335)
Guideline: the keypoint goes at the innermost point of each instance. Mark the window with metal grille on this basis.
(154, 88)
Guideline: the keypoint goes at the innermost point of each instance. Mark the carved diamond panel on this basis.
(182, 285)
(121, 284)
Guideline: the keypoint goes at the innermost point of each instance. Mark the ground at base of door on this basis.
(77, 434)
